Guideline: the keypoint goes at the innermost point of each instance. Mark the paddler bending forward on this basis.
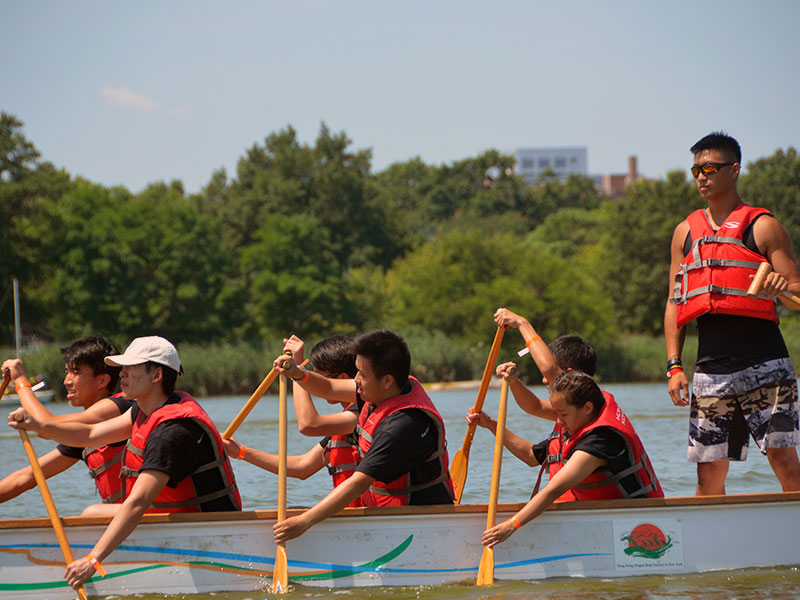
(401, 434)
(582, 408)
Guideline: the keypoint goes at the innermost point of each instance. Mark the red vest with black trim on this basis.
(184, 497)
(398, 492)
(602, 484)
(104, 464)
(715, 275)
(342, 453)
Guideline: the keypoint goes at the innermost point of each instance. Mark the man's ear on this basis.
(387, 381)
(102, 381)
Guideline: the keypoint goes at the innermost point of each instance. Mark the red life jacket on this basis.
(715, 275)
(342, 452)
(398, 492)
(104, 464)
(184, 497)
(603, 484)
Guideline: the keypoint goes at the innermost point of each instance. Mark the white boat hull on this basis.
(174, 554)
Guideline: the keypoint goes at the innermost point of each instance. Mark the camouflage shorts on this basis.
(726, 409)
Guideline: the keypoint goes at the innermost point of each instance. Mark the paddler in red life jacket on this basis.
(90, 385)
(564, 352)
(401, 434)
(587, 418)
(744, 383)
(338, 450)
(174, 461)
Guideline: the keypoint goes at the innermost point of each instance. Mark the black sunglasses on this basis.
(708, 168)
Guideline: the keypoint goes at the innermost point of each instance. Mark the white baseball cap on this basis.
(146, 349)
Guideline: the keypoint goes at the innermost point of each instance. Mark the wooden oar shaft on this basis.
(498, 455)
(282, 449)
(280, 575)
(486, 566)
(250, 404)
(41, 481)
(491, 361)
(758, 282)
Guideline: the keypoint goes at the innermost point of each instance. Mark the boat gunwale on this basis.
(442, 509)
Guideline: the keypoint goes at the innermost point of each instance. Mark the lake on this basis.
(662, 427)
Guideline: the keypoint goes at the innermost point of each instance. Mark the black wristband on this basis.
(673, 362)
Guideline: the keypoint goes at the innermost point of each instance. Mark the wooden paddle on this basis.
(486, 567)
(280, 574)
(250, 404)
(458, 470)
(787, 298)
(41, 481)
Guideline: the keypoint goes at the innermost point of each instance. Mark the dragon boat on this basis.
(409, 546)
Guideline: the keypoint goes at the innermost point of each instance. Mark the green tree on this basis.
(636, 249)
(774, 183)
(18, 156)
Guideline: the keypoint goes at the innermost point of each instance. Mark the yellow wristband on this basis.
(533, 339)
(96, 564)
(242, 450)
(19, 386)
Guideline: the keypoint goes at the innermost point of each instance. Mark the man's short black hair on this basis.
(574, 352)
(89, 352)
(168, 376)
(334, 355)
(578, 389)
(721, 141)
(387, 354)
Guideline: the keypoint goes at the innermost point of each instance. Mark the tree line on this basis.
(306, 238)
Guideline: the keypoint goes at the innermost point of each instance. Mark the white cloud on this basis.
(122, 96)
(179, 110)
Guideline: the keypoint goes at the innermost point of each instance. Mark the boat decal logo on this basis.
(647, 541)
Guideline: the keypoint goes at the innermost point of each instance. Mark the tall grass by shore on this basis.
(230, 369)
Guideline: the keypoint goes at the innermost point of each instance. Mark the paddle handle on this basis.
(758, 282)
(41, 481)
(251, 403)
(494, 492)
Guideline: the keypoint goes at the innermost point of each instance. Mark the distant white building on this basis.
(532, 162)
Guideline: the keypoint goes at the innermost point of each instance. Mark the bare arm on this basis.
(148, 485)
(579, 466)
(341, 496)
(538, 349)
(339, 390)
(52, 463)
(525, 398)
(674, 335)
(518, 446)
(84, 435)
(299, 466)
(775, 244)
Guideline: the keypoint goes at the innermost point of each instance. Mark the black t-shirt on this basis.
(602, 442)
(744, 341)
(178, 447)
(402, 443)
(76, 452)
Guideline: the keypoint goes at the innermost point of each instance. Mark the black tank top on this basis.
(736, 342)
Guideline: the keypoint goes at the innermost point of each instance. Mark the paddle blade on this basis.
(280, 575)
(458, 473)
(486, 568)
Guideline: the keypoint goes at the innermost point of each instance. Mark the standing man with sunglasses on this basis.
(744, 383)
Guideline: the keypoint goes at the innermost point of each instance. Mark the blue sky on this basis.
(134, 92)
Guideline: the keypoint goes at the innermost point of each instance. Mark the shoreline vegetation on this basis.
(308, 238)
(237, 369)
